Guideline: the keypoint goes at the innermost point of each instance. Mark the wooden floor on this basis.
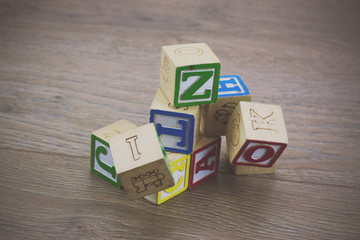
(68, 68)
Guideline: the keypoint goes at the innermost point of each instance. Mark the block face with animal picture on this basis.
(232, 90)
(141, 161)
(177, 127)
(189, 74)
(101, 160)
(256, 136)
(180, 166)
(205, 160)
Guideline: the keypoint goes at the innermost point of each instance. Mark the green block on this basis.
(189, 74)
(101, 161)
(196, 84)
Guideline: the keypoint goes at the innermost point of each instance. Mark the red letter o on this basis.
(269, 152)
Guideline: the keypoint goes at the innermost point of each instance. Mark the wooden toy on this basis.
(205, 160)
(189, 74)
(180, 165)
(256, 136)
(190, 112)
(232, 90)
(101, 161)
(141, 161)
(177, 128)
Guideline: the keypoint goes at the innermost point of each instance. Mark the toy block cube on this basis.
(180, 165)
(189, 74)
(205, 160)
(178, 128)
(256, 136)
(141, 162)
(101, 161)
(232, 90)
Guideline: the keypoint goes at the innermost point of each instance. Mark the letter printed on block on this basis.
(180, 166)
(259, 153)
(256, 136)
(177, 127)
(176, 130)
(205, 160)
(196, 85)
(232, 90)
(180, 170)
(141, 162)
(189, 74)
(232, 85)
(101, 160)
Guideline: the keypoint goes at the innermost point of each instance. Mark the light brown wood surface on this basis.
(68, 68)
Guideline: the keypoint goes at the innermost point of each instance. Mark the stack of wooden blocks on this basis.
(180, 147)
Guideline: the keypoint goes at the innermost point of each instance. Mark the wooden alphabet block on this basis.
(189, 74)
(178, 128)
(256, 136)
(141, 162)
(180, 165)
(232, 90)
(101, 160)
(205, 160)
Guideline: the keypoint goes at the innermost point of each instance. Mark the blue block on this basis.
(232, 85)
(176, 130)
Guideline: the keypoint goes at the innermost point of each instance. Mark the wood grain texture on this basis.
(68, 68)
